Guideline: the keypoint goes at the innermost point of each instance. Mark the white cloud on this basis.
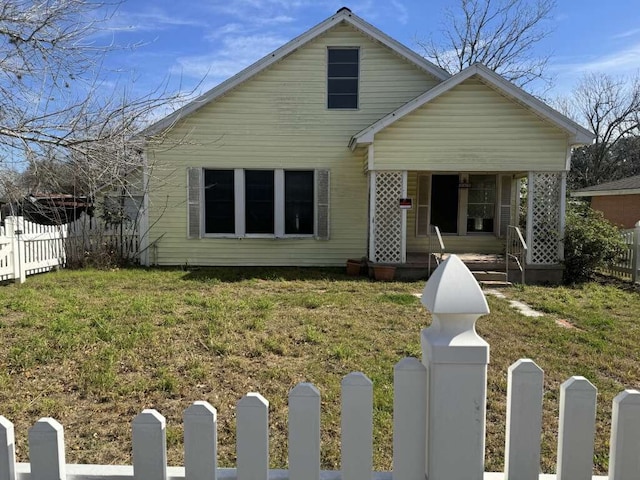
(627, 34)
(150, 20)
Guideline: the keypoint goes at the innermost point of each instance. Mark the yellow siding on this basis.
(279, 119)
(471, 128)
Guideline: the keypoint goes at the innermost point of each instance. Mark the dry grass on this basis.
(94, 348)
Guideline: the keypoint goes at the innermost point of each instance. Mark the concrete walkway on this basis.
(521, 307)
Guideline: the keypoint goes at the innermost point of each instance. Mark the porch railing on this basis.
(516, 250)
(436, 246)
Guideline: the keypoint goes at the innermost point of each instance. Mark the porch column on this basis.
(387, 226)
(545, 217)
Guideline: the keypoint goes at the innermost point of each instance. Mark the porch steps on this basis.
(493, 279)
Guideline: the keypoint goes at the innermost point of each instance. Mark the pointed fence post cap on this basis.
(452, 288)
(149, 416)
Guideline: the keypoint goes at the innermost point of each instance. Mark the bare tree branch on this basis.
(501, 34)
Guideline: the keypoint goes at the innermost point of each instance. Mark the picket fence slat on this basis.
(409, 419)
(624, 454)
(200, 441)
(7, 450)
(357, 427)
(252, 436)
(46, 450)
(304, 432)
(576, 429)
(524, 421)
(149, 438)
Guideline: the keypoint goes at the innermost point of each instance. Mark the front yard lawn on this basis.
(93, 348)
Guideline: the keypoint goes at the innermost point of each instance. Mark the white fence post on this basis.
(576, 429)
(46, 450)
(524, 421)
(252, 437)
(7, 450)
(357, 427)
(200, 442)
(409, 419)
(13, 229)
(149, 446)
(304, 432)
(456, 359)
(625, 436)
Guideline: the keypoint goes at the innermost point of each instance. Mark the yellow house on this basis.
(344, 143)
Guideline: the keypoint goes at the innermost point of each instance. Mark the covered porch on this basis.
(476, 157)
(473, 213)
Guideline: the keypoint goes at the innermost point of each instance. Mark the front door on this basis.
(444, 202)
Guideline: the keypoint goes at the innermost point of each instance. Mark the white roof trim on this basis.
(599, 193)
(578, 134)
(343, 15)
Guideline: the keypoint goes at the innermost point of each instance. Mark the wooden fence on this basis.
(438, 424)
(27, 248)
(627, 266)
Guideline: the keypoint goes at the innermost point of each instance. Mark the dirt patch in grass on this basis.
(92, 349)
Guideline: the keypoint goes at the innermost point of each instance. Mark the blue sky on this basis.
(210, 40)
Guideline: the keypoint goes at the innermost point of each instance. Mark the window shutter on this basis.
(194, 181)
(505, 203)
(322, 204)
(422, 210)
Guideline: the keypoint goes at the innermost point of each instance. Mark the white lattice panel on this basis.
(545, 217)
(388, 217)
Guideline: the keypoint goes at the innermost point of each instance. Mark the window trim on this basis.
(279, 206)
(343, 47)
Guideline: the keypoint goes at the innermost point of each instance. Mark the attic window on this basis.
(343, 68)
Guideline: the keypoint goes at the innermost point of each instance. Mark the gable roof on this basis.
(343, 15)
(578, 134)
(624, 186)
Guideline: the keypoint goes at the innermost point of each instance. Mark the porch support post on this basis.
(372, 216)
(563, 212)
(403, 244)
(530, 195)
(545, 217)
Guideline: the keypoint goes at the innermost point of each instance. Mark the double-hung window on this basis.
(247, 202)
(343, 72)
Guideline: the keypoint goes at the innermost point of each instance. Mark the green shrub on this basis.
(590, 242)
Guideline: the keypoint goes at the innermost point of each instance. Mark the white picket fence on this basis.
(438, 424)
(627, 266)
(27, 248)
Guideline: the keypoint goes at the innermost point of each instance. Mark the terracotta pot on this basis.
(353, 267)
(384, 273)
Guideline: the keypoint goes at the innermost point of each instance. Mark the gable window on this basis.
(343, 68)
(239, 203)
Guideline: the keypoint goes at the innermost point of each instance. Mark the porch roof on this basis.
(578, 135)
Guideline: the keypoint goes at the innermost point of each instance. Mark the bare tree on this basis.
(64, 127)
(501, 34)
(57, 103)
(610, 107)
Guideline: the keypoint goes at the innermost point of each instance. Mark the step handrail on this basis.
(437, 251)
(516, 249)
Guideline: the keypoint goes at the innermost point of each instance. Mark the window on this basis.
(298, 202)
(219, 201)
(343, 68)
(259, 202)
(481, 206)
